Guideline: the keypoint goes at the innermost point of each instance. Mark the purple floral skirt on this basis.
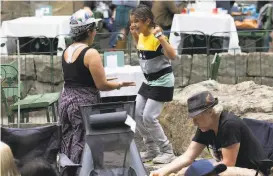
(73, 133)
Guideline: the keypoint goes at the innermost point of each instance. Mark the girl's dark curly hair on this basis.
(143, 12)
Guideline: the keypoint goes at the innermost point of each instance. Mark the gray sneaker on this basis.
(164, 158)
(148, 155)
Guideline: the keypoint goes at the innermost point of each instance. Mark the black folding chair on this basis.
(264, 133)
(110, 149)
(38, 142)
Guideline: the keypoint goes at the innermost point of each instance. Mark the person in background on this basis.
(8, 166)
(155, 54)
(164, 11)
(225, 135)
(91, 4)
(84, 78)
(271, 42)
(227, 5)
(260, 4)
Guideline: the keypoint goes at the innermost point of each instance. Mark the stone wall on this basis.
(258, 67)
(233, 68)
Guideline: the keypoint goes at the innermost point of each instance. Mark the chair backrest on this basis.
(108, 137)
(29, 143)
(263, 131)
(113, 59)
(269, 17)
(9, 80)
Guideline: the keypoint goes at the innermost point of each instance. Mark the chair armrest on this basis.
(64, 161)
(267, 163)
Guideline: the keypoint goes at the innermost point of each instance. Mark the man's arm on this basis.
(230, 154)
(182, 161)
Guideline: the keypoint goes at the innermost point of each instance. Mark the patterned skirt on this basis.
(73, 133)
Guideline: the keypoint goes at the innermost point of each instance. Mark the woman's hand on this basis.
(111, 78)
(127, 84)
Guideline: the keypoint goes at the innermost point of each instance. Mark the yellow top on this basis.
(148, 43)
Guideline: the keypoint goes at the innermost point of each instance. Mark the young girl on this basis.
(154, 55)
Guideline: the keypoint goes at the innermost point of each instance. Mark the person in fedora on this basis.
(225, 135)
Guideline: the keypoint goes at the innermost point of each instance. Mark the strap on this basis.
(82, 54)
(71, 51)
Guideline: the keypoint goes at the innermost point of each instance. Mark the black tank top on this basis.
(76, 74)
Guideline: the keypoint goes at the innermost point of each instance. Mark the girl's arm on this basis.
(167, 48)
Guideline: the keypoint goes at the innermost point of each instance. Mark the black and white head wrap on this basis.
(81, 21)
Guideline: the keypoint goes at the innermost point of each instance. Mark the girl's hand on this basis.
(133, 30)
(157, 30)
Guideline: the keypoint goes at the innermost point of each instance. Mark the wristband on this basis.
(158, 34)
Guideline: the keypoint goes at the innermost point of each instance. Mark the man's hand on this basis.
(156, 173)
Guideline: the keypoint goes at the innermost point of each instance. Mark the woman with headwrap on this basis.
(84, 77)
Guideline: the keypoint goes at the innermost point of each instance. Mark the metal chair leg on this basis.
(54, 117)
(27, 117)
(47, 115)
(22, 117)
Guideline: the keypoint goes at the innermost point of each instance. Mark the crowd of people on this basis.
(223, 133)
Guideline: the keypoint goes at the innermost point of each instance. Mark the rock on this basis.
(267, 80)
(44, 69)
(257, 80)
(233, 66)
(40, 87)
(196, 79)
(245, 99)
(226, 79)
(260, 64)
(26, 87)
(181, 81)
(28, 68)
(182, 66)
(133, 60)
(199, 66)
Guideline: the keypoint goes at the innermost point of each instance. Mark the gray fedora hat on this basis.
(200, 102)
